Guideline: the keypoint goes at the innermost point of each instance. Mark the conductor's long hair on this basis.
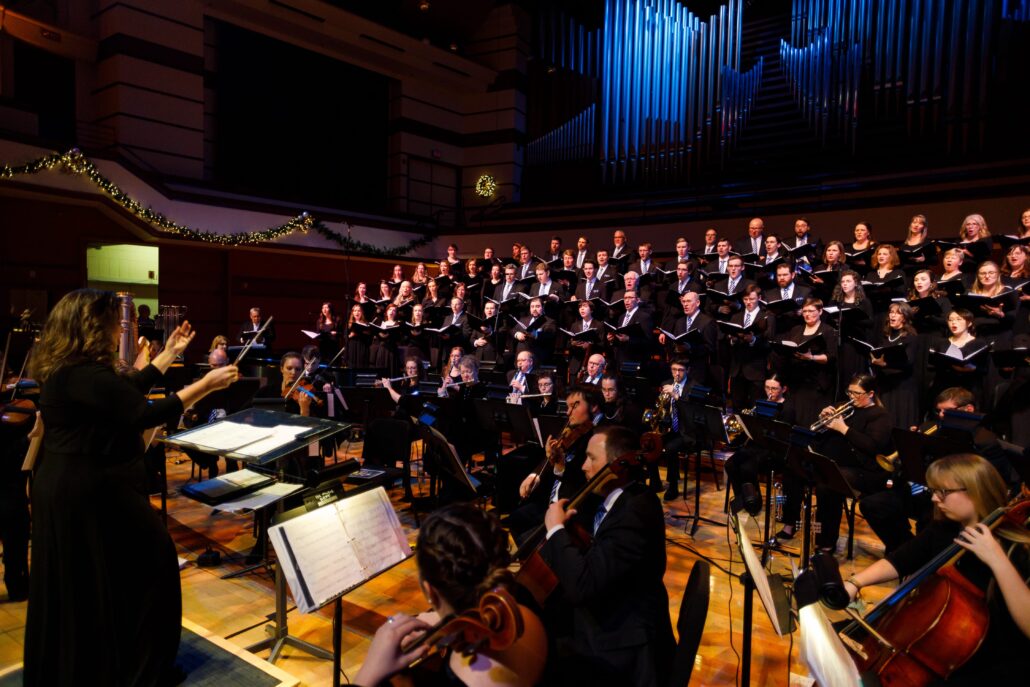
(80, 328)
(462, 552)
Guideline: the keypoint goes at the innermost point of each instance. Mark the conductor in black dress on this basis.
(104, 599)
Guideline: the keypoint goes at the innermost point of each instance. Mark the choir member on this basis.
(359, 338)
(811, 373)
(899, 387)
(328, 327)
(863, 242)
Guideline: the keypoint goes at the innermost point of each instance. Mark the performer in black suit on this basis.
(754, 242)
(620, 255)
(522, 379)
(787, 289)
(635, 345)
(561, 475)
(590, 286)
(735, 283)
(645, 264)
(678, 432)
(536, 333)
(579, 351)
(749, 350)
(803, 237)
(104, 593)
(620, 623)
(696, 353)
(550, 293)
(508, 288)
(267, 338)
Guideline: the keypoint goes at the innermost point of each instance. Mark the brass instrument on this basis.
(660, 414)
(843, 412)
(733, 427)
(890, 463)
(127, 340)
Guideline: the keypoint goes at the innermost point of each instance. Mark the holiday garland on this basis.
(74, 162)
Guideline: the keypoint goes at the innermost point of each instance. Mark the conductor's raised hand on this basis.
(221, 377)
(180, 338)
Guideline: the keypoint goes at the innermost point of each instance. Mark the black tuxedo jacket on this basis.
(697, 354)
(540, 341)
(749, 360)
(744, 245)
(600, 290)
(556, 290)
(620, 611)
(609, 273)
(268, 338)
(498, 294)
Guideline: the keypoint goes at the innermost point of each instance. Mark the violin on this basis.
(556, 449)
(932, 624)
(17, 412)
(305, 388)
(494, 626)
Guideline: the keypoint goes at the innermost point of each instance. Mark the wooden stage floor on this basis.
(238, 609)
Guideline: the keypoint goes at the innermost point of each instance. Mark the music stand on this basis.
(814, 469)
(447, 460)
(707, 421)
(771, 591)
(367, 403)
(224, 438)
(358, 537)
(773, 436)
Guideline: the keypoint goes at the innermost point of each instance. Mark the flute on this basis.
(254, 338)
(379, 382)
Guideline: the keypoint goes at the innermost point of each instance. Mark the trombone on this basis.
(843, 412)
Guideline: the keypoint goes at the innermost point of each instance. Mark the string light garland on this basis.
(486, 186)
(74, 162)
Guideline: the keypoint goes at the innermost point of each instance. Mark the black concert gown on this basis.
(105, 605)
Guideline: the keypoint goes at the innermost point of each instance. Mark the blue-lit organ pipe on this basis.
(573, 140)
(662, 75)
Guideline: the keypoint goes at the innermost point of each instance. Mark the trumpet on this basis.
(379, 382)
(890, 462)
(843, 412)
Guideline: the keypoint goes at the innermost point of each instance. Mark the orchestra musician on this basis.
(561, 474)
(522, 380)
(965, 489)
(621, 633)
(750, 461)
(853, 443)
(678, 432)
(593, 372)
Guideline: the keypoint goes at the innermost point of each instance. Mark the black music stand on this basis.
(773, 436)
(707, 421)
(447, 463)
(814, 469)
(376, 501)
(260, 421)
(367, 403)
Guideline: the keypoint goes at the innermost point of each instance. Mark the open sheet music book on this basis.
(242, 439)
(329, 551)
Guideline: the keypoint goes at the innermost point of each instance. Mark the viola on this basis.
(557, 448)
(534, 574)
(932, 624)
(308, 390)
(494, 626)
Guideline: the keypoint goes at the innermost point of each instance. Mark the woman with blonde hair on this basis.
(993, 319)
(975, 239)
(966, 489)
(104, 595)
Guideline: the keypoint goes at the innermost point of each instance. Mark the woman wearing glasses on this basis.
(854, 443)
(966, 488)
(811, 373)
(996, 318)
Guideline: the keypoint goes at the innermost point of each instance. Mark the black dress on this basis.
(104, 599)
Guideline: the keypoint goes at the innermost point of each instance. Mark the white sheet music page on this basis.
(374, 531)
(226, 436)
(315, 559)
(333, 549)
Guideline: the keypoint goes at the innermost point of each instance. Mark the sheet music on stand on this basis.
(257, 436)
(333, 549)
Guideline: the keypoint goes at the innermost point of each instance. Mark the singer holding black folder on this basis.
(104, 598)
(811, 369)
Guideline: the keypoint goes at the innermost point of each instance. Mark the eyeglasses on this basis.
(942, 494)
(856, 392)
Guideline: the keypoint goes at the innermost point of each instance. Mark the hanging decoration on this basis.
(74, 162)
(486, 186)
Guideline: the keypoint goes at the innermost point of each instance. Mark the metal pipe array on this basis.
(672, 95)
(927, 63)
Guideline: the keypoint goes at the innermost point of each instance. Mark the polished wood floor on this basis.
(239, 608)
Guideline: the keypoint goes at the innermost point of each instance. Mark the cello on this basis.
(930, 625)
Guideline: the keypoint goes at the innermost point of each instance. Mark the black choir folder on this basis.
(333, 549)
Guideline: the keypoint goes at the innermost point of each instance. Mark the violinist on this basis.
(300, 401)
(561, 475)
(621, 632)
(965, 488)
(461, 553)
